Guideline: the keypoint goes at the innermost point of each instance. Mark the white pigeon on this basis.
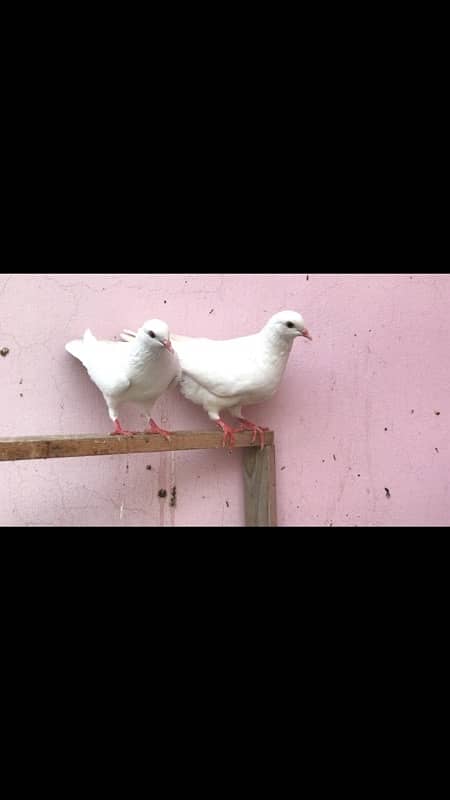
(229, 374)
(138, 371)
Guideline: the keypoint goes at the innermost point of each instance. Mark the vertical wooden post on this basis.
(260, 487)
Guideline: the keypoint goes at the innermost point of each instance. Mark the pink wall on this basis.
(379, 360)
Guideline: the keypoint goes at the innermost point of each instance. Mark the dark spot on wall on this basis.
(227, 503)
(162, 493)
(307, 277)
(334, 457)
(165, 301)
(358, 475)
(4, 351)
(438, 413)
(385, 429)
(437, 449)
(20, 382)
(388, 494)
(212, 311)
(412, 411)
(282, 468)
(149, 466)
(20, 394)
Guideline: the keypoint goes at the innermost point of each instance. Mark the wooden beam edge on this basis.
(85, 445)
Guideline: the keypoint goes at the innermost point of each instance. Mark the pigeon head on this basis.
(288, 325)
(155, 332)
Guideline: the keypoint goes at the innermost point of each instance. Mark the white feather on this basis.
(229, 374)
(136, 371)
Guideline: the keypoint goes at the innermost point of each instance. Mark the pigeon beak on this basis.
(307, 334)
(168, 346)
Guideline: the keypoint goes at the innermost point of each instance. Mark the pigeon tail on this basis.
(75, 348)
(89, 337)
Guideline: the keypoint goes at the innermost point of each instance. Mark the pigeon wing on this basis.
(224, 368)
(109, 377)
(105, 362)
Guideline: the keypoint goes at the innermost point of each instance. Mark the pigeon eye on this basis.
(290, 325)
(152, 334)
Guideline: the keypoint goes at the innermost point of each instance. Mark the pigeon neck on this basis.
(142, 352)
(278, 345)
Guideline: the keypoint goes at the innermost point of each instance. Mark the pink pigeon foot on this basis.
(257, 429)
(228, 433)
(154, 428)
(119, 431)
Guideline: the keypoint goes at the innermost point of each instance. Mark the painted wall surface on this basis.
(362, 409)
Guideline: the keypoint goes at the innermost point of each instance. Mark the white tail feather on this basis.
(75, 348)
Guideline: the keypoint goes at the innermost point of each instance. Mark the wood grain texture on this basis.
(260, 487)
(37, 447)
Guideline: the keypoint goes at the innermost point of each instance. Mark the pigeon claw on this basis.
(257, 430)
(228, 434)
(119, 431)
(154, 428)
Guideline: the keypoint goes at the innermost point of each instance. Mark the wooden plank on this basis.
(35, 447)
(260, 486)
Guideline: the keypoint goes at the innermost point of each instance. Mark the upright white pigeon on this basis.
(137, 371)
(229, 374)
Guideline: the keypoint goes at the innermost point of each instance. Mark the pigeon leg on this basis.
(119, 431)
(154, 428)
(257, 429)
(228, 433)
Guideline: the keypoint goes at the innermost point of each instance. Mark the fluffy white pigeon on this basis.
(137, 371)
(229, 374)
